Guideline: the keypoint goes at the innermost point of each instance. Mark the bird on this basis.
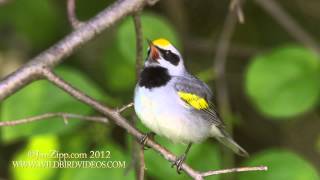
(175, 104)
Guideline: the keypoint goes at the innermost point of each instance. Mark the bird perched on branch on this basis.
(175, 104)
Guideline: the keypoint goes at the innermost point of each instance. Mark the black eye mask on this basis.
(169, 56)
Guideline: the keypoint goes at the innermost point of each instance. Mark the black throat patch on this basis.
(152, 77)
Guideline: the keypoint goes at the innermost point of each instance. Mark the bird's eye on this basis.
(170, 56)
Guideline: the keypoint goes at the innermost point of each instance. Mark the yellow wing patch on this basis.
(193, 100)
(161, 42)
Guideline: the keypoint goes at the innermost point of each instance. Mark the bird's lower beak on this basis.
(154, 52)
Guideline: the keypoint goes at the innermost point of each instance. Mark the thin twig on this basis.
(72, 17)
(141, 166)
(289, 24)
(2, 2)
(220, 62)
(137, 155)
(232, 170)
(138, 149)
(236, 6)
(139, 41)
(65, 116)
(123, 108)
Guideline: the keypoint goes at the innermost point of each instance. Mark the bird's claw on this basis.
(143, 140)
(178, 163)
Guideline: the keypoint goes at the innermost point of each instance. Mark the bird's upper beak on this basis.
(154, 52)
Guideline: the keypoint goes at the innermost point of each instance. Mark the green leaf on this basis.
(42, 97)
(284, 82)
(153, 27)
(282, 165)
(41, 145)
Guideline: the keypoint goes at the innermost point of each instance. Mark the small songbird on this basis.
(175, 104)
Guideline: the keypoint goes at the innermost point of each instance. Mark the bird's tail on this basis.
(230, 143)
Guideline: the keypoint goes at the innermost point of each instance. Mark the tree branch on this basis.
(2, 2)
(236, 6)
(142, 165)
(72, 17)
(125, 107)
(220, 62)
(232, 170)
(138, 149)
(56, 53)
(41, 65)
(65, 116)
(139, 42)
(289, 24)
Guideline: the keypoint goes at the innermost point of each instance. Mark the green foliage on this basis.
(120, 58)
(202, 157)
(318, 144)
(23, 15)
(153, 27)
(284, 82)
(282, 165)
(42, 97)
(42, 144)
(120, 74)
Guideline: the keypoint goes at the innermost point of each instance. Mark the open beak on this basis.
(154, 52)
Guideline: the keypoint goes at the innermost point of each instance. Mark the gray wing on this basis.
(191, 84)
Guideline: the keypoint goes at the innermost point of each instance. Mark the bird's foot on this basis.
(143, 140)
(178, 163)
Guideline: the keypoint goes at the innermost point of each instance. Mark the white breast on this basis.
(162, 111)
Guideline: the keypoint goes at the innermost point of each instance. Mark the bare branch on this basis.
(56, 53)
(220, 62)
(289, 24)
(137, 155)
(141, 166)
(63, 115)
(236, 6)
(232, 170)
(138, 150)
(139, 41)
(72, 17)
(223, 44)
(2, 2)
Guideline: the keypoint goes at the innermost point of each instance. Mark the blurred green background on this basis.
(273, 84)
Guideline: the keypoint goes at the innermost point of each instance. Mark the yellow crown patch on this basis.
(161, 42)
